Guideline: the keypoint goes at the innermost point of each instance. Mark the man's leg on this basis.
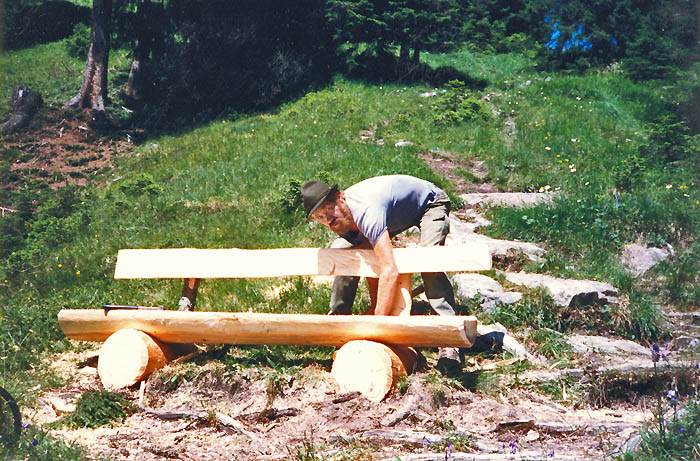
(434, 226)
(344, 288)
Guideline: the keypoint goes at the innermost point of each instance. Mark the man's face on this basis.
(335, 215)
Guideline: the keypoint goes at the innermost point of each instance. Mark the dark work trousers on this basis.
(434, 226)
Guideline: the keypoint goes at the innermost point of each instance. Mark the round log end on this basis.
(370, 368)
(127, 357)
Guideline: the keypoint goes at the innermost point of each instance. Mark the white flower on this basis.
(573, 140)
(547, 148)
(668, 186)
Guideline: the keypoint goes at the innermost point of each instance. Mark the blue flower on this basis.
(513, 450)
(681, 429)
(655, 352)
(35, 442)
(551, 453)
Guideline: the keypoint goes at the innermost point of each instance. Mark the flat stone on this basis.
(640, 259)
(568, 293)
(508, 199)
(471, 285)
(461, 234)
(585, 345)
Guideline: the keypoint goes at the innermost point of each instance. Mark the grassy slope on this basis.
(223, 184)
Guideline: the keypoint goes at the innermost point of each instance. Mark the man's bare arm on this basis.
(388, 274)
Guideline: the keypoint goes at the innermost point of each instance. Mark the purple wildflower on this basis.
(655, 352)
(681, 429)
(513, 450)
(551, 453)
(35, 442)
(672, 395)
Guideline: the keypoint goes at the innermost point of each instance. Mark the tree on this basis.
(93, 91)
(421, 25)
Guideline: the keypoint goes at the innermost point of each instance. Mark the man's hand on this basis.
(388, 275)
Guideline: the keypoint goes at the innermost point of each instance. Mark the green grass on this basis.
(48, 69)
(228, 183)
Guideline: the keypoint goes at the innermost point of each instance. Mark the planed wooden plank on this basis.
(263, 328)
(238, 263)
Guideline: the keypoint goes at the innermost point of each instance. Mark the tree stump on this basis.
(25, 103)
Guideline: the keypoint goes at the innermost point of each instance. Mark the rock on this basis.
(471, 285)
(531, 436)
(461, 234)
(684, 343)
(586, 345)
(568, 293)
(640, 259)
(508, 199)
(403, 143)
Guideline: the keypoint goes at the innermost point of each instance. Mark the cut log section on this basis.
(371, 368)
(128, 356)
(263, 328)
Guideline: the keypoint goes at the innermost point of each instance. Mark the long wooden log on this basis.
(262, 328)
(187, 263)
(370, 368)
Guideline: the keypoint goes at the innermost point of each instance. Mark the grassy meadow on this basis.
(233, 182)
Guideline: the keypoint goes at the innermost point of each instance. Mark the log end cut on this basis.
(128, 356)
(371, 368)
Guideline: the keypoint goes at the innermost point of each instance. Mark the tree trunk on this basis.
(261, 328)
(416, 55)
(138, 75)
(93, 91)
(404, 54)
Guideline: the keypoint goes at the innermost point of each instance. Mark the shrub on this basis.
(457, 105)
(79, 42)
(97, 408)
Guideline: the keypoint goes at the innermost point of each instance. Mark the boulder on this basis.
(640, 259)
(470, 285)
(568, 293)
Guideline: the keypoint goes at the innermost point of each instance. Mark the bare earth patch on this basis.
(59, 147)
(241, 418)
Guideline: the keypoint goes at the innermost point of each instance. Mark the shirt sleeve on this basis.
(372, 223)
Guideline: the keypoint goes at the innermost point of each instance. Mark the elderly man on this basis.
(367, 215)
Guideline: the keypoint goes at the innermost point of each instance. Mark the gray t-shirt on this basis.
(393, 203)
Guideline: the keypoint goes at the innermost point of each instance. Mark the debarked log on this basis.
(129, 355)
(371, 368)
(264, 328)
